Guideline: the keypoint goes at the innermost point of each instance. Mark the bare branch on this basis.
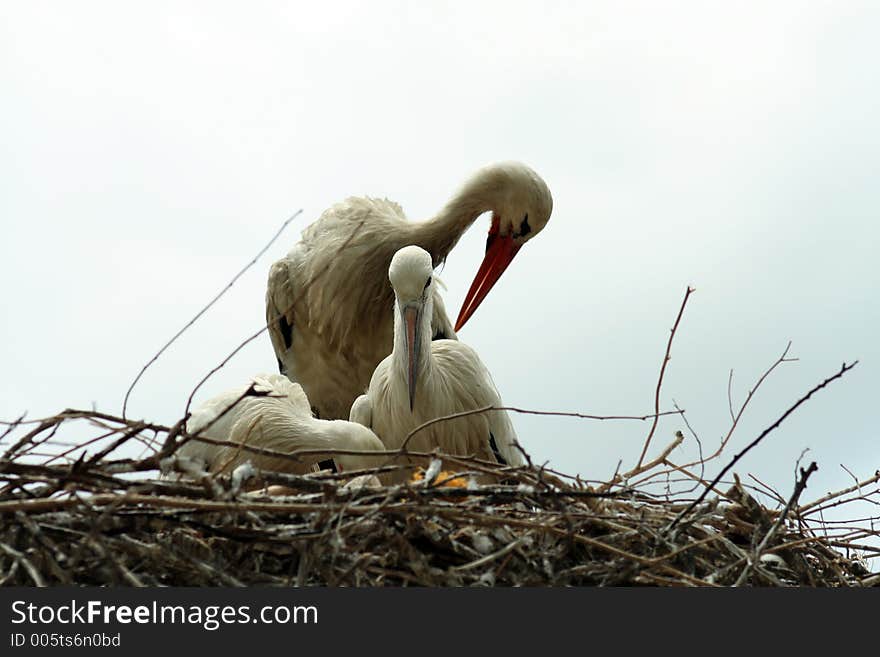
(626, 476)
(807, 508)
(666, 358)
(799, 487)
(514, 409)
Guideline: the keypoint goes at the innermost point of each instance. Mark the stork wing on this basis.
(502, 439)
(279, 311)
(467, 379)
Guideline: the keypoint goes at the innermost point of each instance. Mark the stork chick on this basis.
(274, 414)
(423, 379)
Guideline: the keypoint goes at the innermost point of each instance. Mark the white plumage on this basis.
(328, 301)
(276, 415)
(423, 379)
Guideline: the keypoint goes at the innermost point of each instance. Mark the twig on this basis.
(773, 493)
(626, 476)
(849, 472)
(798, 489)
(514, 409)
(840, 493)
(491, 557)
(28, 566)
(699, 446)
(666, 358)
(730, 395)
(12, 426)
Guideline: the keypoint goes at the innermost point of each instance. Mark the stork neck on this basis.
(332, 434)
(441, 233)
(322, 434)
(343, 437)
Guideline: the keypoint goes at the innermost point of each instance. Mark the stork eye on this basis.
(524, 228)
(427, 283)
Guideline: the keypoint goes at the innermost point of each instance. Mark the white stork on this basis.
(275, 415)
(423, 379)
(328, 302)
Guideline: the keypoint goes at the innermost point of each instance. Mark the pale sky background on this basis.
(148, 151)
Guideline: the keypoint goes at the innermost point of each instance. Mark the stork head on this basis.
(360, 438)
(412, 277)
(521, 205)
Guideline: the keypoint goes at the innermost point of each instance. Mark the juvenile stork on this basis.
(328, 303)
(276, 415)
(423, 379)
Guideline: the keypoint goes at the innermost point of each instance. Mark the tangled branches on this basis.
(93, 519)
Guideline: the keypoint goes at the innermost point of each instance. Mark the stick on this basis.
(840, 493)
(798, 489)
(514, 409)
(666, 358)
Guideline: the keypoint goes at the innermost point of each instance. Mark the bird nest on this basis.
(80, 516)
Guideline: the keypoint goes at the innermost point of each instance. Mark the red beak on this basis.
(500, 251)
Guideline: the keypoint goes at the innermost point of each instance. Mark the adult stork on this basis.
(328, 303)
(272, 413)
(423, 379)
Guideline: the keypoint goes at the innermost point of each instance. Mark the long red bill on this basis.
(499, 254)
(411, 325)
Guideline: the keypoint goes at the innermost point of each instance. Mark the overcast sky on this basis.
(148, 151)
